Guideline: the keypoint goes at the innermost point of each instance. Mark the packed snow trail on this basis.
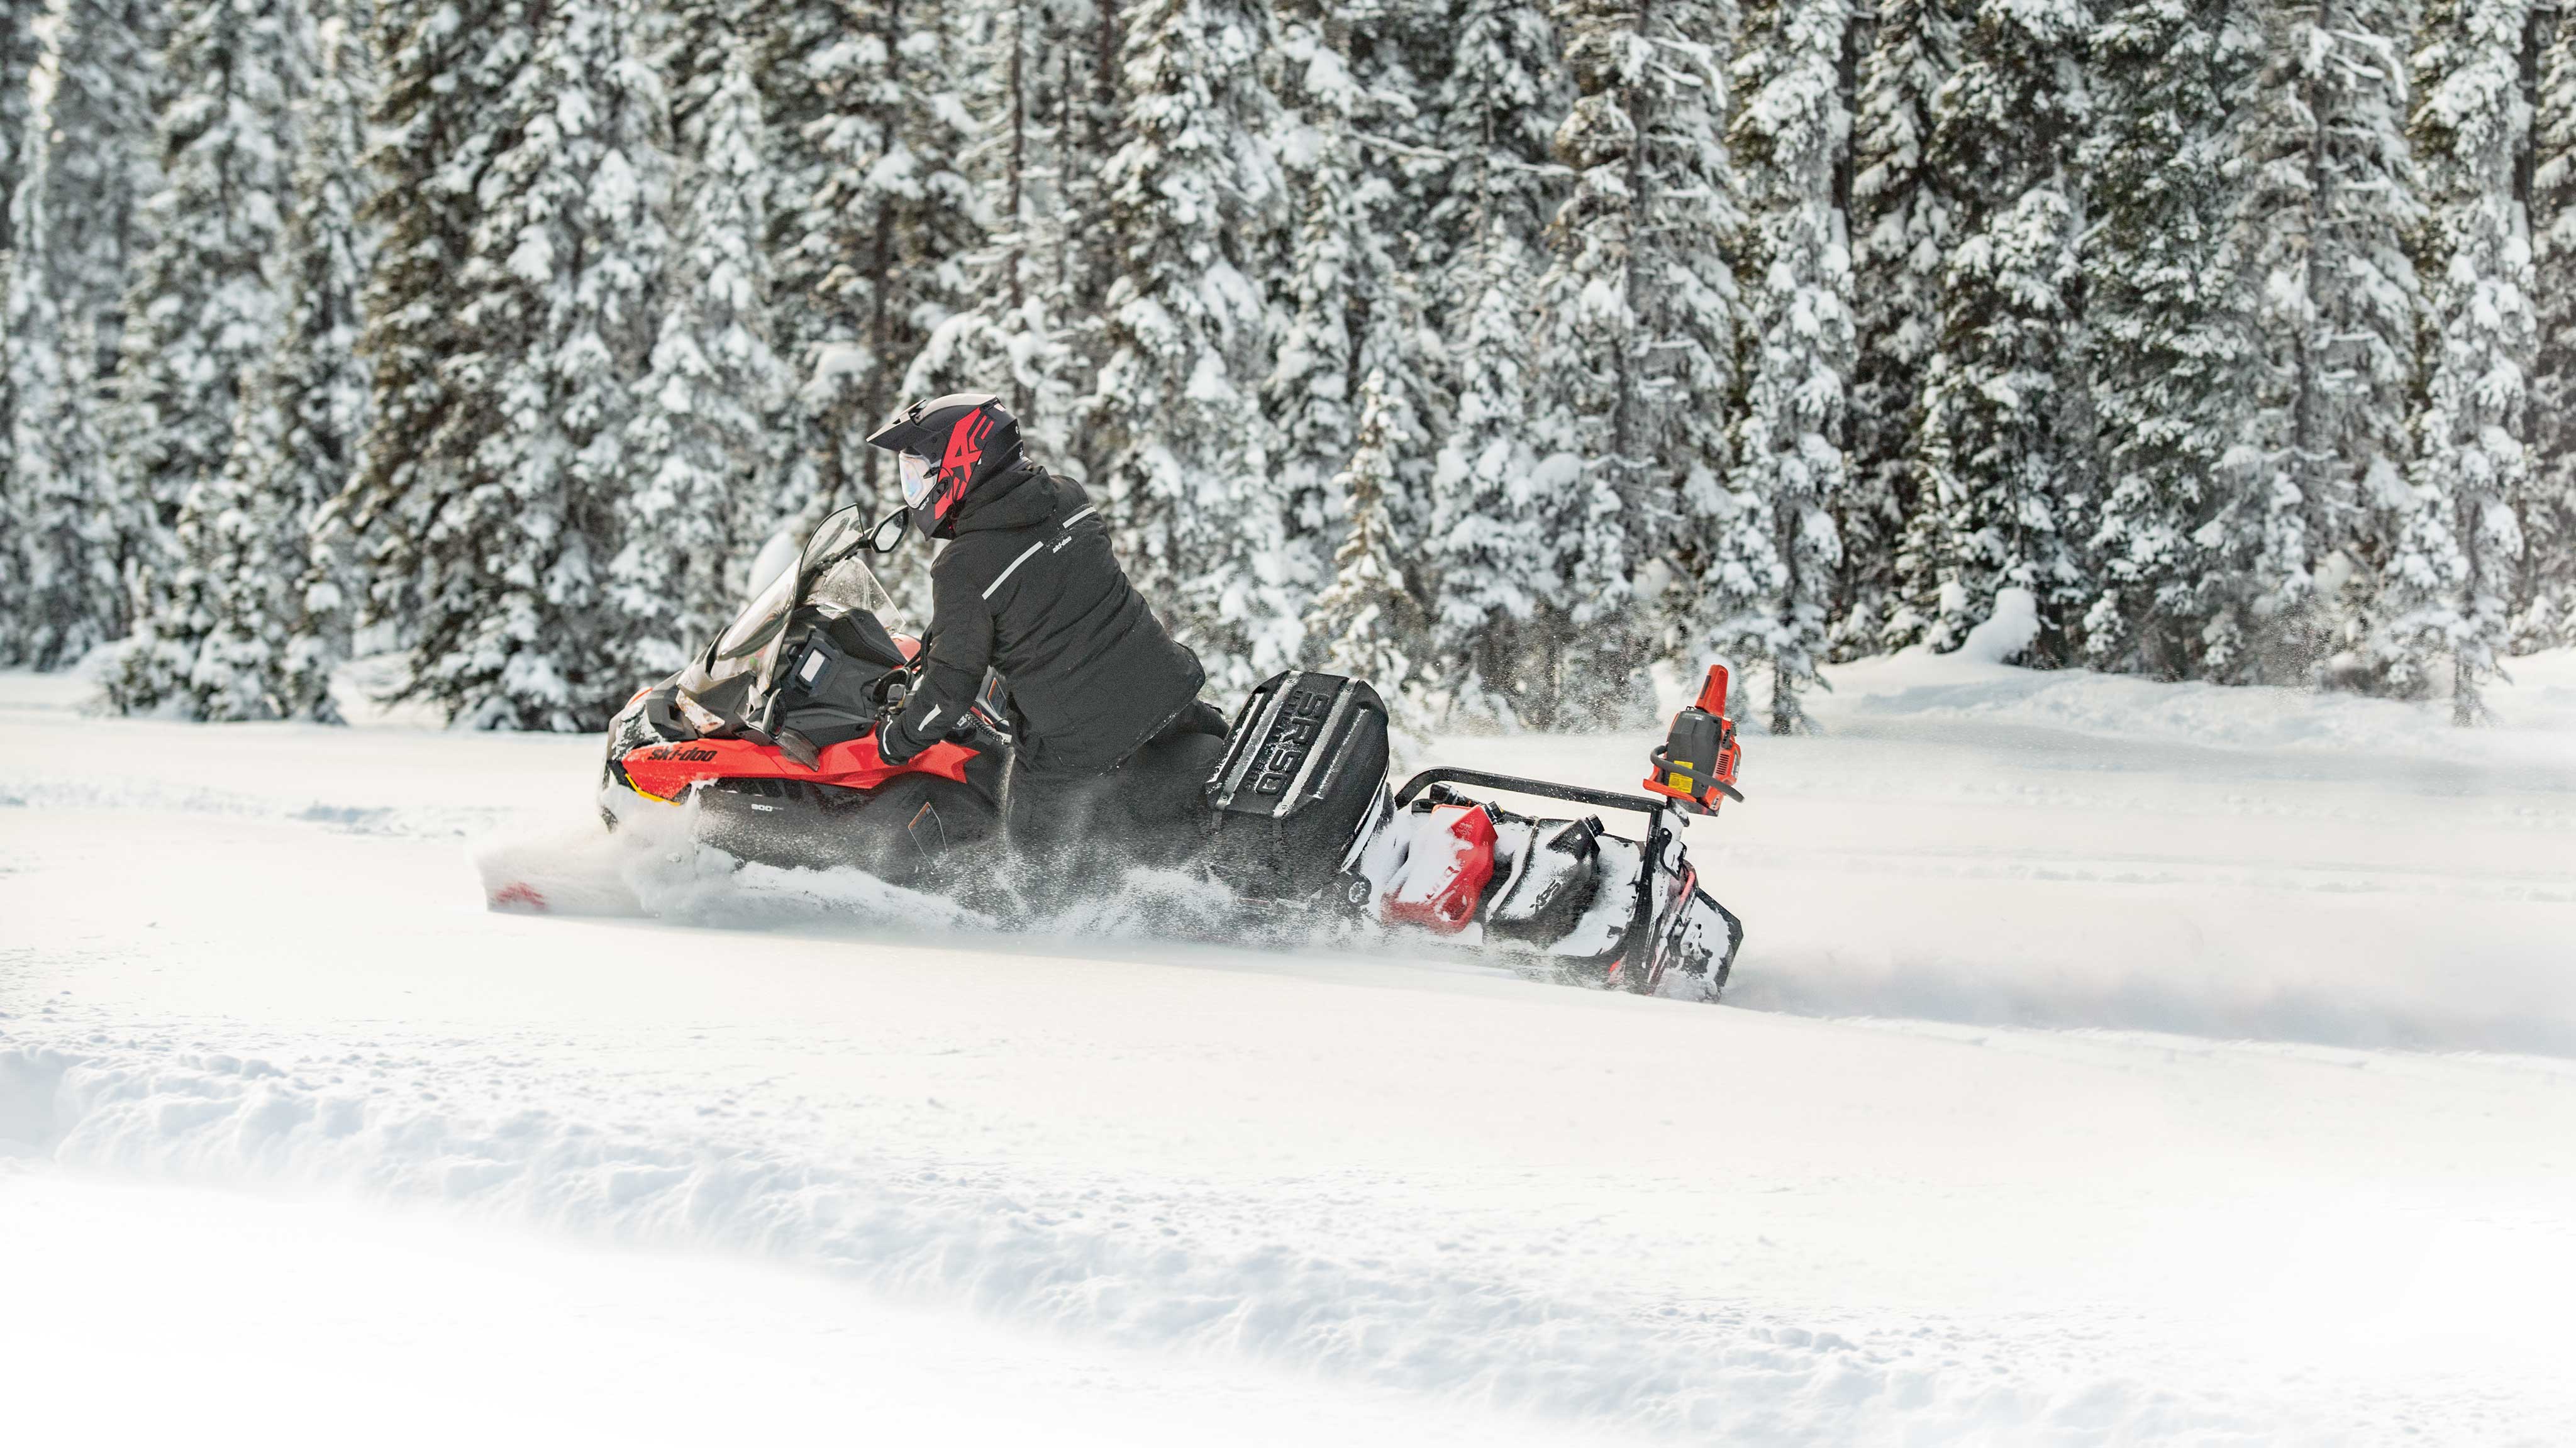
(260, 957)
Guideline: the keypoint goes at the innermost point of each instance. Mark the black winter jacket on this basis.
(1029, 588)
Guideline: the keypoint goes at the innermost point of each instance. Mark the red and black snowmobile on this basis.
(771, 735)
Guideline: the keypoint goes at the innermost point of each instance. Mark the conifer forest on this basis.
(1497, 350)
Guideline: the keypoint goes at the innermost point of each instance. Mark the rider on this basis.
(1104, 700)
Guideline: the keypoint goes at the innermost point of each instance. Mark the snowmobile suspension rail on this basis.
(1573, 793)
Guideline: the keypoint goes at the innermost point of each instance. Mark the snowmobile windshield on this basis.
(832, 575)
(849, 586)
(761, 622)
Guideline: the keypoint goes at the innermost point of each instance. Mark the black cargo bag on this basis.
(1305, 765)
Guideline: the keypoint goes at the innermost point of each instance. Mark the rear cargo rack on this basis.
(1571, 793)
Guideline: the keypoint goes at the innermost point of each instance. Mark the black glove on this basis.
(894, 745)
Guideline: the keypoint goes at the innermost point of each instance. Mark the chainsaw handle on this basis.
(1662, 762)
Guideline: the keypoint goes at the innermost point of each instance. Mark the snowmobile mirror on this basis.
(832, 538)
(887, 535)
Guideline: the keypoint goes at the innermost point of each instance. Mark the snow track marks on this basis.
(1101, 1265)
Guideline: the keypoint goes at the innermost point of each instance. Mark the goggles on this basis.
(919, 478)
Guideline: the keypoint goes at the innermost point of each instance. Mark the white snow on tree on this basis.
(205, 316)
(1488, 557)
(891, 217)
(2330, 203)
(1488, 564)
(1018, 338)
(2173, 353)
(697, 444)
(267, 597)
(2235, 335)
(1902, 231)
(1330, 282)
(1638, 319)
(1770, 591)
(1186, 453)
(20, 51)
(2452, 575)
(510, 335)
(782, 37)
(1347, 305)
(78, 224)
(1369, 623)
(2004, 457)
(2545, 603)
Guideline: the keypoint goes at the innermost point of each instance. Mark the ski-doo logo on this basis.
(1291, 740)
(689, 756)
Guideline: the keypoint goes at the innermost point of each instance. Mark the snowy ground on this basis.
(2108, 1063)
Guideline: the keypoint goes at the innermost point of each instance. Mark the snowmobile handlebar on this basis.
(1571, 793)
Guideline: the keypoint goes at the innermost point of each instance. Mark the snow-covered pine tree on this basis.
(784, 38)
(78, 223)
(2452, 574)
(698, 444)
(2170, 317)
(1401, 52)
(1369, 623)
(891, 217)
(1331, 275)
(1902, 230)
(788, 40)
(1770, 597)
(511, 320)
(1398, 50)
(1076, 83)
(1495, 116)
(698, 48)
(1638, 317)
(2545, 604)
(269, 616)
(1488, 556)
(1194, 196)
(438, 72)
(1344, 295)
(1485, 552)
(2004, 455)
(2330, 204)
(19, 51)
(1018, 337)
(205, 315)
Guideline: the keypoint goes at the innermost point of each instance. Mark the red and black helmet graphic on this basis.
(948, 446)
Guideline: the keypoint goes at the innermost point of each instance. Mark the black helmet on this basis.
(947, 446)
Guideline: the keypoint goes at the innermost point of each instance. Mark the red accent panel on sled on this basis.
(666, 771)
(1446, 871)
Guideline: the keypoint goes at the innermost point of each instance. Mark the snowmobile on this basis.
(771, 733)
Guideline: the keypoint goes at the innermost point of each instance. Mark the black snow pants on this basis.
(1076, 830)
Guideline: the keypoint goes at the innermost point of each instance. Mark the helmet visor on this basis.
(919, 477)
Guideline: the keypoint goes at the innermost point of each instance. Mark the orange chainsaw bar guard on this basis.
(665, 771)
